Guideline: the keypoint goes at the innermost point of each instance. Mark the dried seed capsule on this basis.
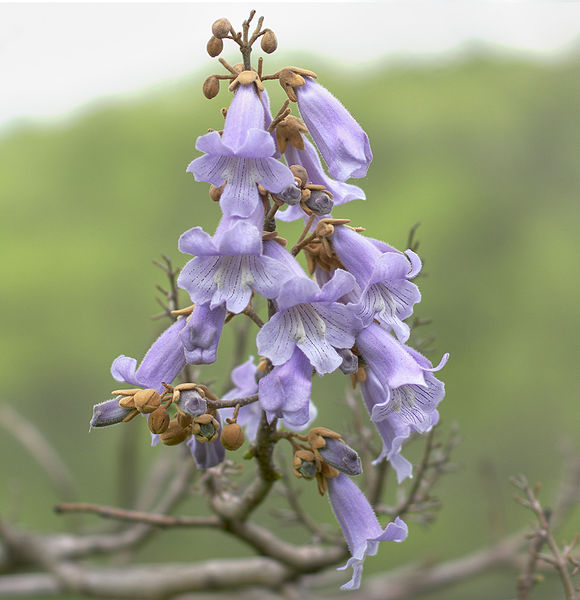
(211, 87)
(221, 28)
(214, 46)
(319, 202)
(175, 434)
(146, 401)
(232, 436)
(300, 172)
(269, 42)
(159, 420)
(290, 195)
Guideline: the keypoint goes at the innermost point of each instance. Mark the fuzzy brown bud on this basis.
(232, 436)
(184, 419)
(214, 46)
(175, 434)
(146, 401)
(221, 28)
(300, 173)
(206, 428)
(215, 193)
(211, 87)
(159, 420)
(269, 42)
(304, 464)
(127, 402)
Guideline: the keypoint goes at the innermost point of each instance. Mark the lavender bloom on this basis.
(285, 391)
(308, 158)
(359, 524)
(392, 429)
(342, 142)
(162, 363)
(228, 267)
(341, 456)
(386, 292)
(108, 413)
(241, 157)
(308, 318)
(201, 335)
(208, 454)
(281, 396)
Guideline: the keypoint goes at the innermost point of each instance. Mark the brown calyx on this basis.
(289, 131)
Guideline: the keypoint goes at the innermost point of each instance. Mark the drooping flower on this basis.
(284, 393)
(386, 294)
(341, 140)
(109, 412)
(359, 525)
(228, 267)
(309, 318)
(201, 335)
(162, 363)
(242, 157)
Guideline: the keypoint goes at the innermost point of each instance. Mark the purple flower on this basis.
(308, 158)
(228, 267)
(241, 157)
(386, 292)
(162, 363)
(392, 429)
(359, 524)
(284, 393)
(342, 142)
(201, 335)
(309, 318)
(109, 412)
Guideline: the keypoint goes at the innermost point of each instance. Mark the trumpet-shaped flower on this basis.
(201, 335)
(359, 525)
(341, 140)
(242, 157)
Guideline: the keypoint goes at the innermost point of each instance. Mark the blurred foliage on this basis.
(483, 152)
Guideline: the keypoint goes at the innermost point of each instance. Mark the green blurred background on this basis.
(483, 152)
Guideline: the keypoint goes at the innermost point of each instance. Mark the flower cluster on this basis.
(348, 314)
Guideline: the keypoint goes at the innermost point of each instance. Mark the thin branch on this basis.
(232, 403)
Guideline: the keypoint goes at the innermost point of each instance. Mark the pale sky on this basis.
(56, 58)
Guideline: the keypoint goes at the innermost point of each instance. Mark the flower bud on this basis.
(269, 42)
(232, 436)
(300, 173)
(184, 419)
(290, 195)
(175, 434)
(341, 456)
(159, 420)
(221, 28)
(205, 428)
(303, 464)
(211, 87)
(349, 364)
(109, 412)
(214, 46)
(146, 401)
(319, 202)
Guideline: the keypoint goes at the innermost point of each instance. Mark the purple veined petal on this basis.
(308, 158)
(202, 334)
(197, 277)
(425, 362)
(416, 264)
(313, 342)
(268, 275)
(388, 358)
(211, 168)
(291, 213)
(240, 196)
(232, 282)
(393, 431)
(259, 145)
(197, 242)
(285, 391)
(272, 174)
(359, 525)
(293, 422)
(297, 290)
(227, 222)
(124, 368)
(340, 325)
(276, 339)
(340, 284)
(211, 143)
(341, 140)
